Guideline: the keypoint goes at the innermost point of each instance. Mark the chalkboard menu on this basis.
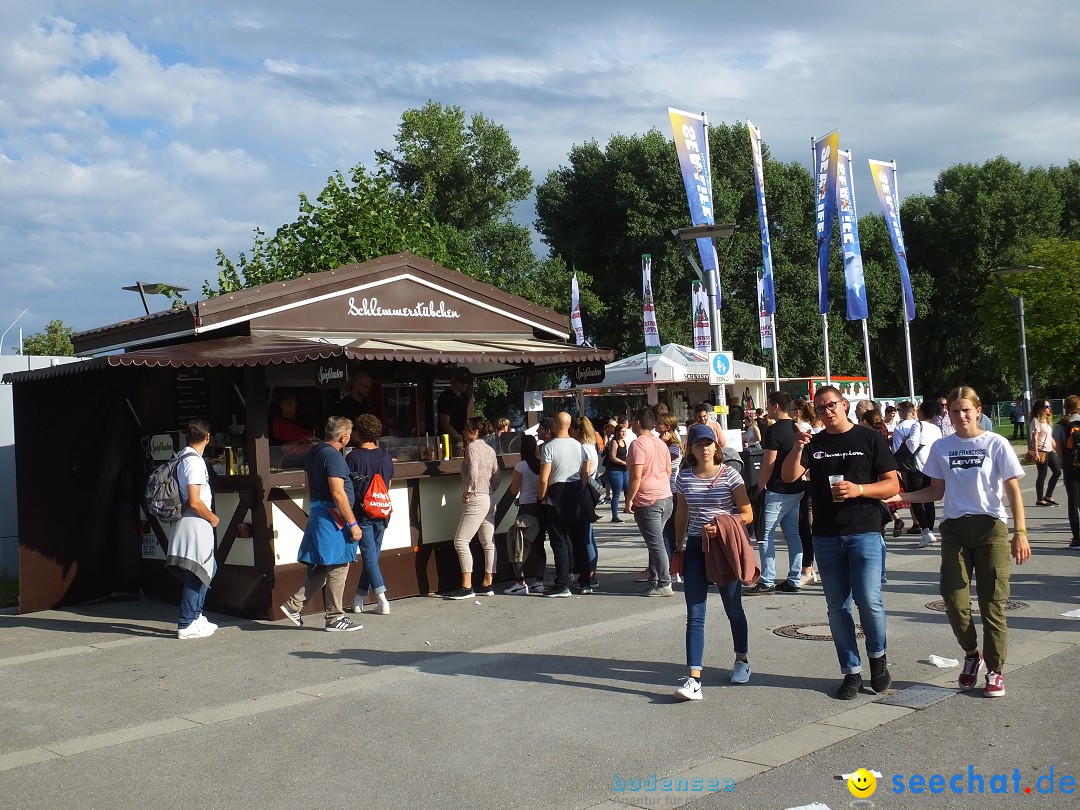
(190, 396)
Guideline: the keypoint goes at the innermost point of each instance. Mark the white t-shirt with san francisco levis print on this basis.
(974, 472)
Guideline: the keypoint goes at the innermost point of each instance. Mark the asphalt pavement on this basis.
(521, 701)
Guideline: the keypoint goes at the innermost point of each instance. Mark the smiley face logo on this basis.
(862, 784)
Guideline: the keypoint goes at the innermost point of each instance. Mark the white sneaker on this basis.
(690, 689)
(676, 579)
(517, 589)
(196, 629)
(358, 605)
(740, 673)
(537, 586)
(382, 607)
(206, 623)
(926, 539)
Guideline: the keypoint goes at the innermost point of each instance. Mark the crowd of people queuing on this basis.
(833, 477)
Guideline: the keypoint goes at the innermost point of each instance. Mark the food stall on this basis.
(404, 321)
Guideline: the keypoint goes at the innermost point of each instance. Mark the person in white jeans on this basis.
(481, 476)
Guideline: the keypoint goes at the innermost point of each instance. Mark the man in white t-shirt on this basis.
(191, 547)
(562, 465)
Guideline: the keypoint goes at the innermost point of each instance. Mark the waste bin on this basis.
(751, 458)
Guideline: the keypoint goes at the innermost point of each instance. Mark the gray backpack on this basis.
(163, 492)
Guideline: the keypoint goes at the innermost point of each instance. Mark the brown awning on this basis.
(483, 356)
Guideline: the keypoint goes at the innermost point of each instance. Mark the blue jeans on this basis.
(192, 599)
(650, 521)
(850, 568)
(594, 554)
(695, 592)
(781, 511)
(619, 479)
(371, 535)
(669, 532)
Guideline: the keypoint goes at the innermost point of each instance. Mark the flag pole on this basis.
(903, 309)
(715, 326)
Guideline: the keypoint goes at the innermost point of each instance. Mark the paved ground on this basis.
(530, 702)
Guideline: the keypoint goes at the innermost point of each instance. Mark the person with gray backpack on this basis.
(191, 547)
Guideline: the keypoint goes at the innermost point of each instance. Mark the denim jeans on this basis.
(619, 479)
(696, 592)
(371, 537)
(669, 532)
(650, 521)
(850, 567)
(781, 512)
(594, 554)
(192, 599)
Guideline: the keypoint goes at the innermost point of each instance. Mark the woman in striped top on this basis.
(703, 490)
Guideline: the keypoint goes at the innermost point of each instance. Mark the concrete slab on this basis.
(797, 743)
(867, 717)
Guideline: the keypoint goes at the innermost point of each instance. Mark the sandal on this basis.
(1043, 502)
(1050, 502)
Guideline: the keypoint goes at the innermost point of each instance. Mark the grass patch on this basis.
(9, 592)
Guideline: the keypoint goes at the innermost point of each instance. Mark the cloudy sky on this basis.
(138, 137)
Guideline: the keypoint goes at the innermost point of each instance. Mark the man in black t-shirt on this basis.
(455, 405)
(851, 470)
(358, 398)
(780, 504)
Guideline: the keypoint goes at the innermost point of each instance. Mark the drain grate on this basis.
(1010, 605)
(919, 697)
(811, 632)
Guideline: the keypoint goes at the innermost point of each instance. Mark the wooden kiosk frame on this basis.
(81, 429)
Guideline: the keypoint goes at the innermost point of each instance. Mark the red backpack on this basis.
(377, 499)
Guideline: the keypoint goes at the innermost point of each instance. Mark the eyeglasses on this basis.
(828, 407)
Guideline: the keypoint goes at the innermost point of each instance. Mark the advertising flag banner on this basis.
(652, 335)
(850, 248)
(691, 145)
(575, 313)
(699, 305)
(884, 174)
(825, 158)
(769, 296)
(764, 321)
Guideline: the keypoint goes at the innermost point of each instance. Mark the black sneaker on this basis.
(461, 593)
(1075, 543)
(787, 587)
(760, 590)
(879, 674)
(557, 593)
(484, 590)
(849, 689)
(914, 530)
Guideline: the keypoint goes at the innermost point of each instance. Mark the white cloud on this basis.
(135, 139)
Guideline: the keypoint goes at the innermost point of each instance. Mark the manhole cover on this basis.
(811, 632)
(1010, 605)
(919, 697)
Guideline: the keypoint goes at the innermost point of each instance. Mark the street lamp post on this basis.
(1018, 306)
(684, 236)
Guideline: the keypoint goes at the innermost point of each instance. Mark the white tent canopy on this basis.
(674, 364)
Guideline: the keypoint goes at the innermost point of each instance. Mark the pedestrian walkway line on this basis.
(746, 763)
(449, 663)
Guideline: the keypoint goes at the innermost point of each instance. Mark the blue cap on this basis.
(699, 432)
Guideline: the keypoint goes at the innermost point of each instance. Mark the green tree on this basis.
(978, 218)
(467, 175)
(1051, 303)
(54, 341)
(354, 219)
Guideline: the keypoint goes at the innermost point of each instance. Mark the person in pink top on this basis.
(649, 496)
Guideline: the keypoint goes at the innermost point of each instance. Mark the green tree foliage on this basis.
(54, 341)
(354, 219)
(467, 175)
(1052, 323)
(978, 218)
